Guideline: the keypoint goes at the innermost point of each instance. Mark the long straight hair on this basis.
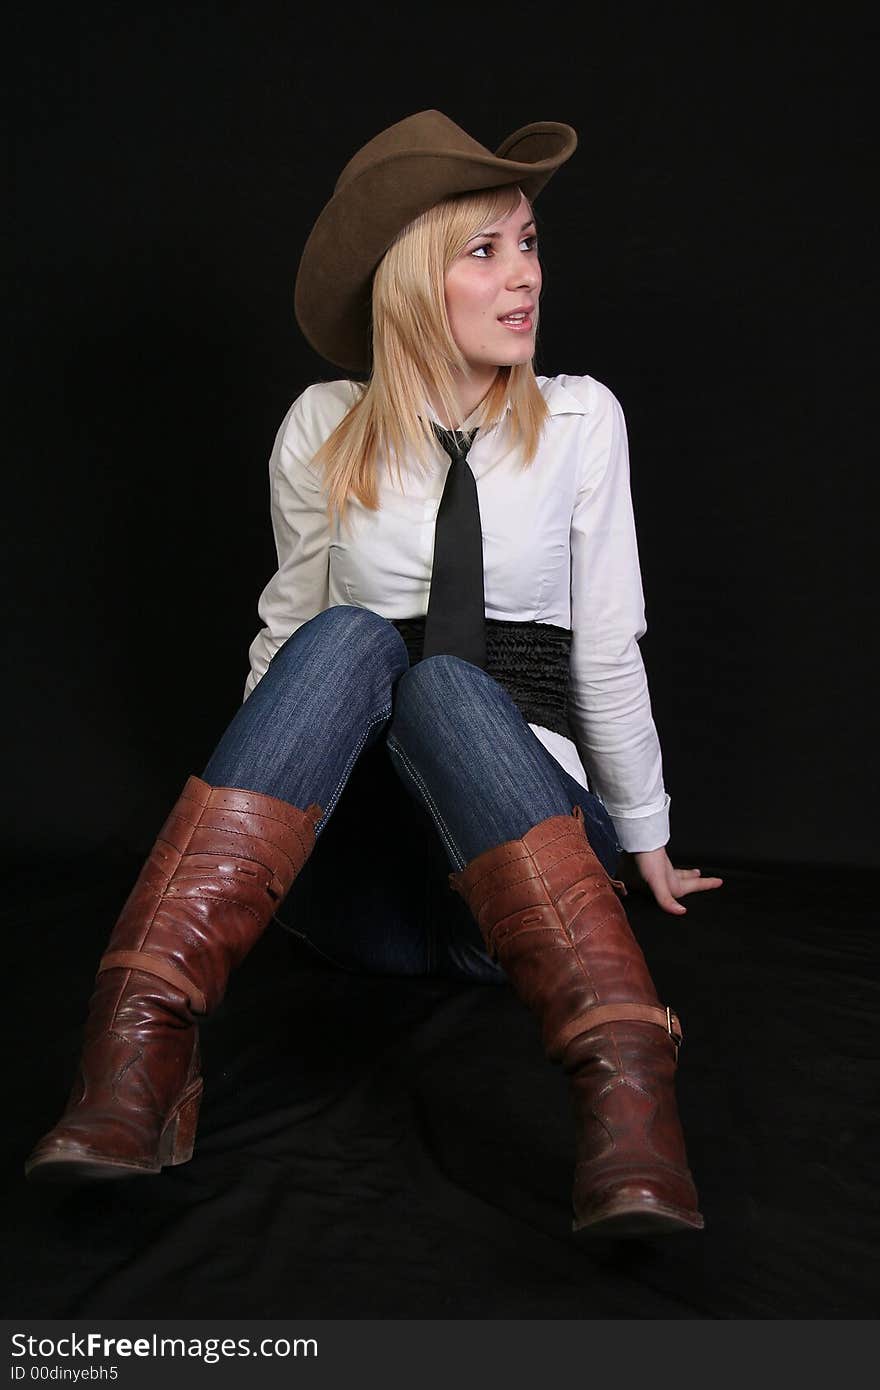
(415, 356)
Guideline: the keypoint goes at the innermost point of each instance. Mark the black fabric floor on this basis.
(378, 1147)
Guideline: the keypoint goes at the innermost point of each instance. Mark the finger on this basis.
(699, 886)
(668, 904)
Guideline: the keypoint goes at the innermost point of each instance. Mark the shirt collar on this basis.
(560, 401)
(467, 424)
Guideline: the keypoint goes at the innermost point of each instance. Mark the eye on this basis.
(529, 242)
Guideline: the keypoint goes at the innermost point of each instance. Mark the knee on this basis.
(439, 680)
(347, 621)
(364, 636)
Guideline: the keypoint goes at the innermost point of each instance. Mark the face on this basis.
(496, 275)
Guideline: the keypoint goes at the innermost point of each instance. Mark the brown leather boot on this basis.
(221, 865)
(549, 914)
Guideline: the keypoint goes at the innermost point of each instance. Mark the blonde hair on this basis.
(415, 355)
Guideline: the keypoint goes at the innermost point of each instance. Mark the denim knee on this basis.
(442, 679)
(359, 630)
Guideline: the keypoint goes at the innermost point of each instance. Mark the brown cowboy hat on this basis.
(397, 175)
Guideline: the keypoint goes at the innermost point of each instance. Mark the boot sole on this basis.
(629, 1219)
(77, 1165)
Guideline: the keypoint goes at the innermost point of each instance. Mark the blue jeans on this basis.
(417, 769)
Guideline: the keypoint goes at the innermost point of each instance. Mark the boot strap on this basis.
(621, 1013)
(152, 965)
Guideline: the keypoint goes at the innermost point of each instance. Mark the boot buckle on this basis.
(674, 1031)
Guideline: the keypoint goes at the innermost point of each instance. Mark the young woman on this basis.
(458, 584)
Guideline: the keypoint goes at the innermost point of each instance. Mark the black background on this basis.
(374, 1146)
(707, 255)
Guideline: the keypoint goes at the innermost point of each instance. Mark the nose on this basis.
(525, 271)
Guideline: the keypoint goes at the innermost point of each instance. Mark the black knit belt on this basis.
(529, 659)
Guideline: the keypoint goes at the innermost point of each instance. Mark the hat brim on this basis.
(332, 296)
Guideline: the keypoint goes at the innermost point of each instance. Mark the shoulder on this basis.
(599, 447)
(579, 395)
(310, 420)
(315, 413)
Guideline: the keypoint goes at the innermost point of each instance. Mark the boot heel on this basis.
(179, 1134)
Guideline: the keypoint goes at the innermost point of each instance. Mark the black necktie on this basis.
(456, 621)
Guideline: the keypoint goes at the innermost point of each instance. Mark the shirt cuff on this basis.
(639, 833)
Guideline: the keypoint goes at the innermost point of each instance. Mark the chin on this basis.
(516, 358)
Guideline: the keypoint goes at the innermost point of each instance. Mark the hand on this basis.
(651, 871)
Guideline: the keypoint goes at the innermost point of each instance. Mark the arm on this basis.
(608, 701)
(299, 589)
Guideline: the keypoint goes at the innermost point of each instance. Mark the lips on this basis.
(522, 311)
(517, 321)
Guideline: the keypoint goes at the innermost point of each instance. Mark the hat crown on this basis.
(422, 133)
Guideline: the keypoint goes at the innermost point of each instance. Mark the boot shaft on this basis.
(222, 863)
(550, 914)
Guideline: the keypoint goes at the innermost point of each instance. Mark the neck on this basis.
(469, 389)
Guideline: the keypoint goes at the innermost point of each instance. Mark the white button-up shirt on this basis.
(559, 546)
